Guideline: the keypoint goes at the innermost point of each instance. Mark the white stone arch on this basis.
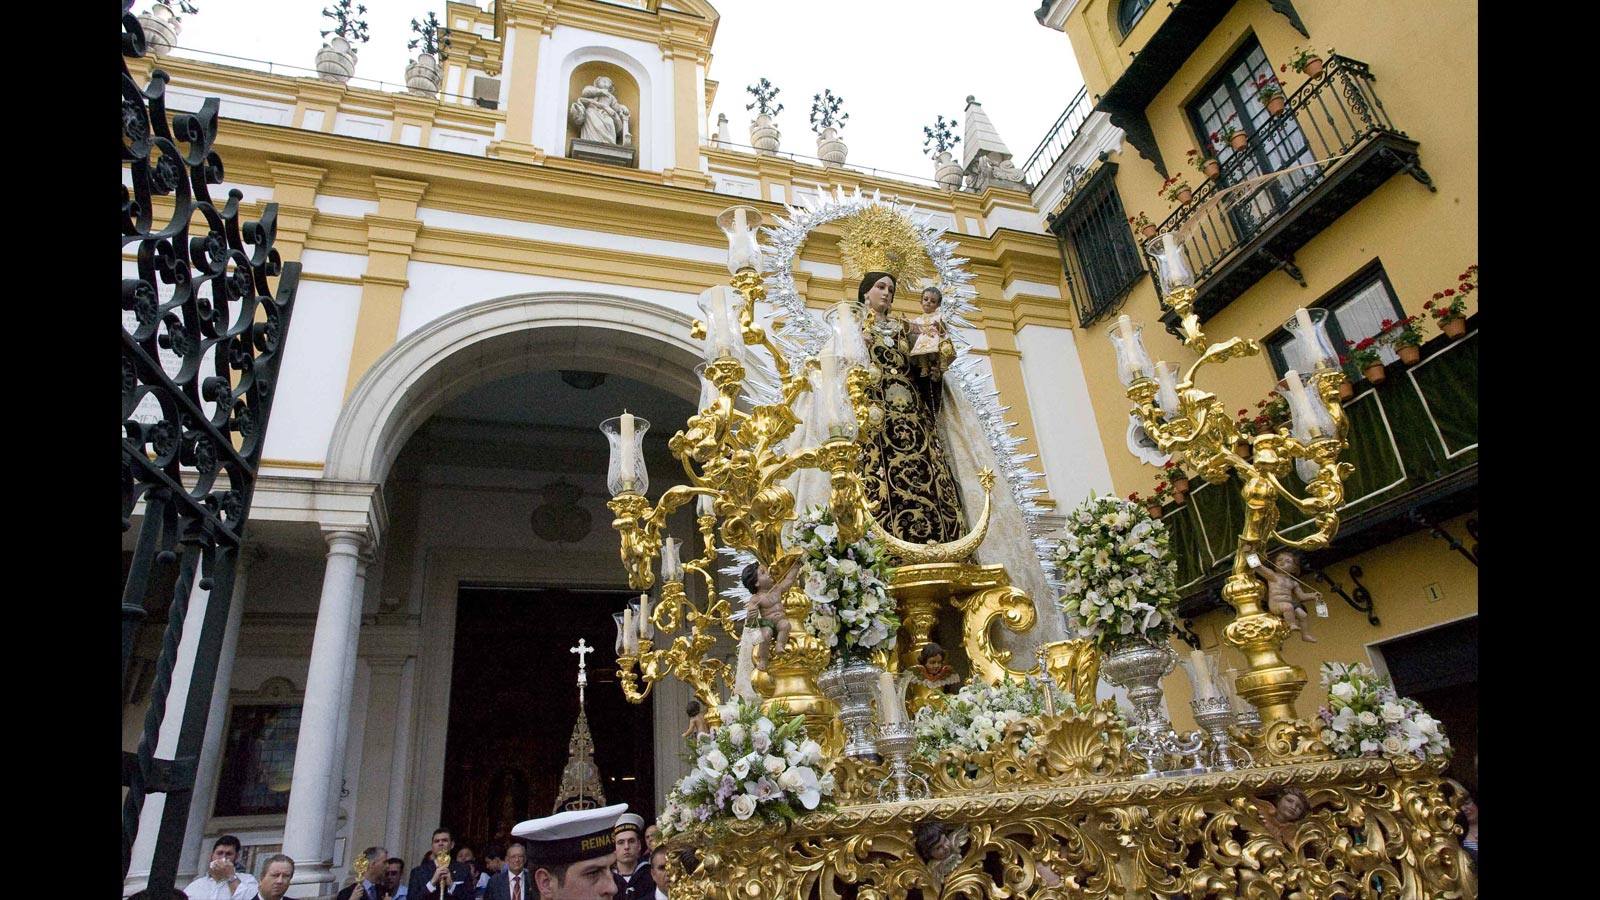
(568, 49)
(494, 339)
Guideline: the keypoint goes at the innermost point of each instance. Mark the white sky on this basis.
(897, 63)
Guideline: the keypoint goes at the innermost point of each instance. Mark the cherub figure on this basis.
(764, 609)
(697, 720)
(933, 672)
(940, 846)
(928, 353)
(1287, 595)
(1283, 814)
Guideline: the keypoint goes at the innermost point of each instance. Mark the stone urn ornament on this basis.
(764, 134)
(161, 24)
(826, 120)
(433, 43)
(336, 61)
(938, 140)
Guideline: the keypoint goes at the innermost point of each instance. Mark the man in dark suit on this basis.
(429, 881)
(514, 881)
(370, 887)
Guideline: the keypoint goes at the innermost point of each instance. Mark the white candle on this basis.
(1303, 317)
(671, 568)
(1298, 388)
(1125, 328)
(647, 629)
(625, 442)
(630, 636)
(1204, 689)
(826, 390)
(890, 710)
(704, 505)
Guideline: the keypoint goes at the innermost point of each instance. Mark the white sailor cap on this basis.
(627, 821)
(571, 836)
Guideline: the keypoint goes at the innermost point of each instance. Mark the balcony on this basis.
(1334, 121)
(1414, 444)
(1058, 138)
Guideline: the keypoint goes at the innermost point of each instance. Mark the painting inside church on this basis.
(513, 702)
(258, 763)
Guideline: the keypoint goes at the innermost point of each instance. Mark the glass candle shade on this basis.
(832, 398)
(705, 505)
(1167, 390)
(626, 471)
(720, 309)
(1172, 266)
(1133, 361)
(1309, 348)
(849, 342)
(1201, 667)
(1309, 419)
(624, 622)
(671, 565)
(708, 391)
(739, 223)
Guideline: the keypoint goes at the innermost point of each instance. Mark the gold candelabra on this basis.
(1194, 425)
(733, 464)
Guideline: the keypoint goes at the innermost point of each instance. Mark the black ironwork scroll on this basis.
(202, 340)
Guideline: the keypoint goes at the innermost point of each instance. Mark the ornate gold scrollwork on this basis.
(1003, 605)
(1075, 668)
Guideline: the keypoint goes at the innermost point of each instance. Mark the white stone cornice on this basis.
(1056, 16)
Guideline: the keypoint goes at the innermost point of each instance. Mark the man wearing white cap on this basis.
(570, 853)
(631, 873)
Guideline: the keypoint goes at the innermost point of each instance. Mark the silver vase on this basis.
(1137, 665)
(851, 685)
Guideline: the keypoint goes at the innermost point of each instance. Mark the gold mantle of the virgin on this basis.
(1374, 829)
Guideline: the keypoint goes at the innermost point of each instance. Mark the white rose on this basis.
(764, 725)
(715, 761)
(1368, 718)
(1393, 712)
(811, 752)
(774, 765)
(1393, 745)
(744, 806)
(736, 734)
(761, 742)
(847, 567)
(1344, 690)
(741, 767)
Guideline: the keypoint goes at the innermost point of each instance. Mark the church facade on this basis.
(429, 534)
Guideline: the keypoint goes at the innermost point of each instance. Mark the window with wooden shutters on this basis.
(1098, 252)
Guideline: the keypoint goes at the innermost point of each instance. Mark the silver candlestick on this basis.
(1214, 715)
(895, 743)
(1138, 664)
(849, 683)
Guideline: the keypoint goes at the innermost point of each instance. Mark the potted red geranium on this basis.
(1179, 479)
(1269, 90)
(1364, 355)
(1405, 336)
(1306, 61)
(1159, 496)
(1142, 224)
(1449, 306)
(1204, 163)
(1230, 132)
(1176, 190)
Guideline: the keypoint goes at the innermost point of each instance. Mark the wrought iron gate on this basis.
(202, 339)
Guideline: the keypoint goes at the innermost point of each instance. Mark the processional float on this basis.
(1074, 800)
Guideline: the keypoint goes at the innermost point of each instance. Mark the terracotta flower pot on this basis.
(1313, 67)
(1346, 390)
(1275, 105)
(1213, 168)
(1239, 140)
(1185, 196)
(1154, 509)
(1409, 354)
(1375, 373)
(1148, 231)
(1455, 327)
(1180, 485)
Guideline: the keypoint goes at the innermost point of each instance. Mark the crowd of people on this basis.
(635, 869)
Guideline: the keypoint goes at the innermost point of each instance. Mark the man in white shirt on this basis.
(222, 880)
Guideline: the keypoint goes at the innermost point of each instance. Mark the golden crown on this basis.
(879, 239)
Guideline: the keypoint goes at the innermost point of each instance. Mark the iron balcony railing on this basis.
(1326, 122)
(1059, 137)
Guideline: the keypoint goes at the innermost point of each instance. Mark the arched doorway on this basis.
(482, 429)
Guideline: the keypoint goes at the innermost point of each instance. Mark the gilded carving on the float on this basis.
(1283, 742)
(1371, 830)
(1075, 668)
(1004, 605)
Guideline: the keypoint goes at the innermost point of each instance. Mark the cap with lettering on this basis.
(571, 836)
(628, 821)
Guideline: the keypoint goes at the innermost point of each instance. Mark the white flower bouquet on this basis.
(851, 610)
(1364, 717)
(975, 718)
(754, 765)
(1118, 575)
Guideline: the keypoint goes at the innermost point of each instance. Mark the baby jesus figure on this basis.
(764, 609)
(928, 353)
(1287, 595)
(932, 671)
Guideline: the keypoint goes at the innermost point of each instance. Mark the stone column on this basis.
(400, 768)
(347, 682)
(209, 767)
(144, 843)
(316, 763)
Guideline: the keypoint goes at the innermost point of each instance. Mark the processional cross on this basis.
(583, 649)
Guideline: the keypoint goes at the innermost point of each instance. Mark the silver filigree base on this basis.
(896, 742)
(850, 684)
(1138, 665)
(1214, 715)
